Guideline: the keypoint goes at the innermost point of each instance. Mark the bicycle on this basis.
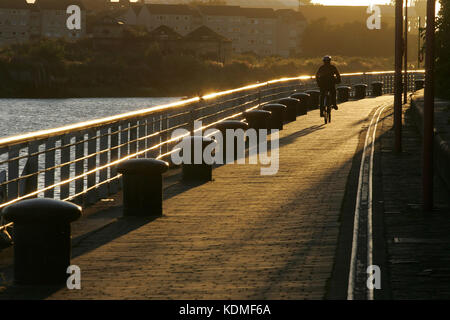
(327, 108)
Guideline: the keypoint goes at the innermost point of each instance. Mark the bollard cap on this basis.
(300, 95)
(257, 114)
(343, 87)
(143, 166)
(377, 83)
(315, 91)
(360, 85)
(274, 106)
(231, 124)
(288, 99)
(42, 210)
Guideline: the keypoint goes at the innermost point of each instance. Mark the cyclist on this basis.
(327, 77)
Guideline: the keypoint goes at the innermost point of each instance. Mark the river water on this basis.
(19, 116)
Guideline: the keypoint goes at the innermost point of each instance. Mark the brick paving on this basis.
(418, 243)
(242, 236)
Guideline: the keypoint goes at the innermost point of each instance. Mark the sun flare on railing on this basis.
(77, 162)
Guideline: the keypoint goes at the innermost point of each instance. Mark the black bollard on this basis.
(258, 119)
(292, 105)
(302, 108)
(314, 99)
(419, 84)
(360, 90)
(377, 88)
(42, 240)
(277, 114)
(200, 171)
(343, 93)
(225, 125)
(142, 186)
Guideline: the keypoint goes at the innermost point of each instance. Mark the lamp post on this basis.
(398, 75)
(428, 114)
(405, 85)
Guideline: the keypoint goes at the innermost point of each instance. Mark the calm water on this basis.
(26, 115)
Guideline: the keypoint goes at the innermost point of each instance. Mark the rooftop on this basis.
(204, 33)
(178, 9)
(14, 4)
(165, 33)
(57, 4)
(221, 10)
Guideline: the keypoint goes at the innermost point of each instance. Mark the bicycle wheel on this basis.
(325, 109)
(329, 114)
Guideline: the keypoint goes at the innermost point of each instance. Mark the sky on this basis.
(351, 2)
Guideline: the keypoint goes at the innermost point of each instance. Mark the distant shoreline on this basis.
(77, 93)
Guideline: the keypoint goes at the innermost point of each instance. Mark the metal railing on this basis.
(78, 162)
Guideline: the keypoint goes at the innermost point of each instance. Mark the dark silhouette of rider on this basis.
(327, 77)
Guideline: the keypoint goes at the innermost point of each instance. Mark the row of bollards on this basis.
(42, 231)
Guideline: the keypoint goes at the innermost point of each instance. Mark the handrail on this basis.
(78, 162)
(44, 134)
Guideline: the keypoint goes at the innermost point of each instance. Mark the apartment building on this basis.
(21, 21)
(53, 19)
(14, 21)
(290, 28)
(226, 21)
(262, 31)
(249, 29)
(181, 18)
(259, 31)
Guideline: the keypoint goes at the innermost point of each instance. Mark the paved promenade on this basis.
(242, 236)
(417, 242)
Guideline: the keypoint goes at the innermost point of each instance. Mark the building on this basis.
(181, 18)
(53, 19)
(262, 31)
(204, 42)
(167, 39)
(290, 28)
(226, 21)
(258, 31)
(14, 21)
(107, 31)
(253, 30)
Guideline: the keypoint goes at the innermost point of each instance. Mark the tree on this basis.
(443, 51)
(348, 39)
(304, 2)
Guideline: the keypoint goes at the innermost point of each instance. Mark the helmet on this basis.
(326, 58)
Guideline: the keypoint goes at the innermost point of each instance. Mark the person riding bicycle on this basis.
(327, 77)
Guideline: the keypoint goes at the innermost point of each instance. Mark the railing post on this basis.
(124, 140)
(148, 132)
(30, 184)
(398, 75)
(64, 190)
(141, 135)
(13, 172)
(133, 136)
(114, 156)
(79, 166)
(91, 196)
(164, 126)
(428, 112)
(157, 138)
(50, 161)
(2, 187)
(103, 158)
